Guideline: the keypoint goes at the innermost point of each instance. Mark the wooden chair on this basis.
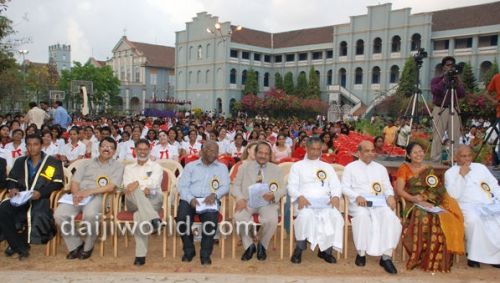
(221, 218)
(285, 167)
(172, 165)
(123, 216)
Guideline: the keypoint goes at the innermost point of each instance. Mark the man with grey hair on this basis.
(142, 181)
(478, 194)
(204, 181)
(315, 191)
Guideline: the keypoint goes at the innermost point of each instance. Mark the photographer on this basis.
(441, 98)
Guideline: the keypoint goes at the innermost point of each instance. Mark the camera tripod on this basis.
(494, 128)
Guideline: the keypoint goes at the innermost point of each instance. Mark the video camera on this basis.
(419, 56)
(456, 69)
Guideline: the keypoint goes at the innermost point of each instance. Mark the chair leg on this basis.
(115, 240)
(282, 239)
(233, 242)
(165, 243)
(174, 245)
(222, 240)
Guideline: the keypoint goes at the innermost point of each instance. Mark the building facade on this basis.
(358, 63)
(60, 55)
(146, 72)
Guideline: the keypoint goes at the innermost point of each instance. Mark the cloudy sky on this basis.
(93, 27)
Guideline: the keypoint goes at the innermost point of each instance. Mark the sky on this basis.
(93, 27)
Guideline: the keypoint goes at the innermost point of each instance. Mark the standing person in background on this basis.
(389, 133)
(36, 115)
(61, 116)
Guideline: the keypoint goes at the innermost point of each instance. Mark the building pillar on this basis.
(127, 99)
(143, 99)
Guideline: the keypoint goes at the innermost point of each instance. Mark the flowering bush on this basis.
(276, 103)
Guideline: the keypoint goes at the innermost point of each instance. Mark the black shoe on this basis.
(75, 253)
(156, 224)
(9, 251)
(139, 261)
(248, 254)
(360, 260)
(496, 265)
(388, 266)
(188, 257)
(327, 257)
(86, 254)
(23, 255)
(261, 252)
(205, 261)
(473, 264)
(297, 256)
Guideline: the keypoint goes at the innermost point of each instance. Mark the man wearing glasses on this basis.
(90, 181)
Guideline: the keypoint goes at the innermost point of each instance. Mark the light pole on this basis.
(23, 53)
(216, 31)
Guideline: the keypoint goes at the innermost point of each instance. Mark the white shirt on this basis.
(233, 150)
(170, 151)
(223, 146)
(470, 189)
(149, 175)
(191, 149)
(126, 150)
(303, 180)
(52, 149)
(11, 153)
(73, 152)
(360, 179)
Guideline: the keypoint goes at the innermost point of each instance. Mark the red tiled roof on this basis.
(283, 39)
(466, 17)
(156, 55)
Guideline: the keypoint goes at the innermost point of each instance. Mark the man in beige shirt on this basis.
(36, 115)
(250, 175)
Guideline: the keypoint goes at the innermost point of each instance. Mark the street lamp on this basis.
(23, 53)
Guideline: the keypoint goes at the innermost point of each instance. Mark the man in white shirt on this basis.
(375, 227)
(315, 190)
(478, 194)
(142, 182)
(36, 115)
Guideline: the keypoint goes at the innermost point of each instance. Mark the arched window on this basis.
(244, 77)
(483, 69)
(190, 77)
(219, 105)
(266, 79)
(360, 47)
(329, 77)
(396, 44)
(375, 75)
(232, 76)
(358, 76)
(191, 52)
(208, 51)
(377, 45)
(394, 78)
(207, 76)
(343, 77)
(257, 77)
(200, 49)
(437, 70)
(318, 75)
(198, 77)
(415, 41)
(343, 49)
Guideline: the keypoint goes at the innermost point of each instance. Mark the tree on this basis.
(7, 60)
(251, 84)
(301, 89)
(408, 81)
(469, 80)
(288, 83)
(490, 73)
(37, 81)
(278, 81)
(11, 82)
(106, 87)
(313, 91)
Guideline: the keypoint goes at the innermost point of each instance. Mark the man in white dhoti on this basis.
(375, 227)
(478, 194)
(315, 190)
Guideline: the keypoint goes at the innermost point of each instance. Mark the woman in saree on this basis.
(430, 239)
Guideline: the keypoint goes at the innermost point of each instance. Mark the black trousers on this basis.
(8, 216)
(209, 228)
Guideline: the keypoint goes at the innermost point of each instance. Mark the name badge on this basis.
(377, 188)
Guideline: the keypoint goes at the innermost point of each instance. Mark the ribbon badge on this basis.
(214, 184)
(321, 176)
(102, 181)
(432, 181)
(273, 186)
(486, 188)
(377, 188)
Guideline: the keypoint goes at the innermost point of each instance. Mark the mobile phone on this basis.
(369, 203)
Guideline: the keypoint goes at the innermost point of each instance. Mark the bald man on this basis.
(204, 180)
(478, 194)
(375, 227)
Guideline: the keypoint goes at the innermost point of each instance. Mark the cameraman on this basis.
(439, 87)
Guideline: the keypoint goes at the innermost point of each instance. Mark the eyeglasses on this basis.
(108, 147)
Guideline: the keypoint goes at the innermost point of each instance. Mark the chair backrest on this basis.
(75, 165)
(339, 169)
(288, 159)
(227, 160)
(67, 178)
(169, 180)
(173, 165)
(188, 158)
(285, 167)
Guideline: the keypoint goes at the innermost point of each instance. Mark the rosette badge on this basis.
(321, 176)
(432, 181)
(214, 184)
(102, 181)
(377, 188)
(486, 188)
(273, 186)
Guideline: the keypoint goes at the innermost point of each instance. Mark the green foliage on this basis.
(251, 84)
(10, 88)
(366, 127)
(7, 60)
(469, 80)
(288, 83)
(106, 85)
(313, 90)
(408, 81)
(301, 89)
(278, 81)
(491, 72)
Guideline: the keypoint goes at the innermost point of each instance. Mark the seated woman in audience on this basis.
(152, 138)
(327, 146)
(237, 147)
(192, 145)
(430, 239)
(379, 145)
(300, 148)
(47, 145)
(74, 149)
(280, 149)
(248, 154)
(4, 135)
(16, 148)
(168, 147)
